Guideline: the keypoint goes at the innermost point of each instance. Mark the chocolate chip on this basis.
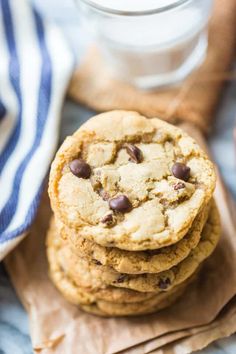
(120, 203)
(181, 171)
(134, 152)
(80, 168)
(95, 261)
(107, 219)
(179, 185)
(121, 278)
(164, 283)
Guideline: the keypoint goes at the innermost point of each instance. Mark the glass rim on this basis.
(118, 12)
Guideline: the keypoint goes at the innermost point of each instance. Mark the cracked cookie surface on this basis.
(126, 181)
(95, 276)
(135, 262)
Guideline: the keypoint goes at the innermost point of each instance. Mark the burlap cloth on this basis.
(208, 310)
(194, 101)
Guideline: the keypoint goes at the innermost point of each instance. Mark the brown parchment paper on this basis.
(194, 101)
(189, 340)
(58, 327)
(223, 326)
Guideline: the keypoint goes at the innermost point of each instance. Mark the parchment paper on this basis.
(179, 341)
(223, 326)
(58, 327)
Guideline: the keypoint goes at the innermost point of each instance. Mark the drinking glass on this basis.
(149, 43)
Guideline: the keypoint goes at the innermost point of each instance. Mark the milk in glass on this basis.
(149, 43)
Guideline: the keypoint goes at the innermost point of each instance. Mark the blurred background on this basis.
(13, 318)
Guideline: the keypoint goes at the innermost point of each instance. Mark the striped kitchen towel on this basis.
(35, 67)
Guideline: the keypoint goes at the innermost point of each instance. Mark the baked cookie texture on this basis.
(134, 219)
(96, 276)
(113, 302)
(145, 183)
(136, 262)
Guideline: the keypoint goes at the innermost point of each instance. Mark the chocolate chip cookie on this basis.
(96, 276)
(157, 303)
(86, 293)
(136, 262)
(126, 181)
(112, 304)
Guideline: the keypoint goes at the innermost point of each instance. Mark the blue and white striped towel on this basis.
(35, 66)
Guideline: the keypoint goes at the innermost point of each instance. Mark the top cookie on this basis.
(127, 181)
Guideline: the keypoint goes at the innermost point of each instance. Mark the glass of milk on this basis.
(149, 43)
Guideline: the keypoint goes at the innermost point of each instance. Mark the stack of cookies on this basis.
(134, 217)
